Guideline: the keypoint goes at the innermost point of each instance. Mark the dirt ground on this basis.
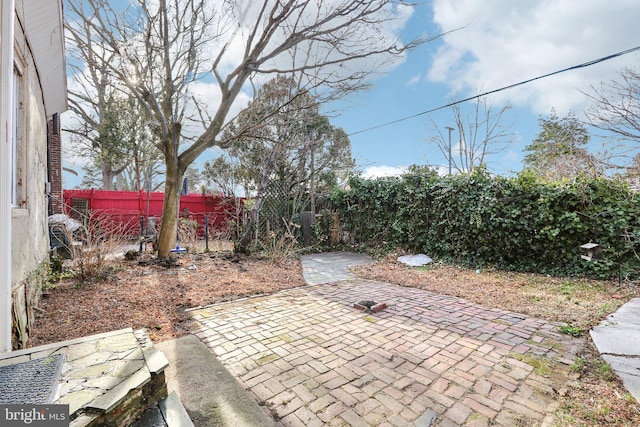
(155, 297)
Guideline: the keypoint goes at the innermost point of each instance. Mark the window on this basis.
(18, 146)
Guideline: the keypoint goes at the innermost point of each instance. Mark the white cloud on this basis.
(503, 42)
(414, 80)
(512, 160)
(372, 172)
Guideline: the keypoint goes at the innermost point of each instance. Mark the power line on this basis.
(575, 67)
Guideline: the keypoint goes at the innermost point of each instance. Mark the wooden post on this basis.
(206, 233)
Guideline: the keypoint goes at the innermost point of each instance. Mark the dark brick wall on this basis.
(55, 164)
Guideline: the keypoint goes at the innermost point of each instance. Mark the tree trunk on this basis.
(243, 244)
(107, 176)
(119, 182)
(168, 228)
(138, 175)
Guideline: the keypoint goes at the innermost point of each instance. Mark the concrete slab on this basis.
(331, 267)
(621, 364)
(211, 396)
(415, 260)
(628, 369)
(628, 313)
(631, 383)
(617, 338)
(174, 412)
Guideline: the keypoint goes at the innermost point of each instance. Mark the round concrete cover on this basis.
(415, 260)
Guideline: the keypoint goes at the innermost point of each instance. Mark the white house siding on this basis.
(30, 241)
(6, 60)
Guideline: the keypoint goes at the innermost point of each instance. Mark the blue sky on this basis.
(498, 43)
(501, 43)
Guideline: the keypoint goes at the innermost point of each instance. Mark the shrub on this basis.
(188, 232)
(281, 246)
(478, 219)
(102, 237)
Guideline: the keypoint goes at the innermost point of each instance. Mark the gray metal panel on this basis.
(32, 382)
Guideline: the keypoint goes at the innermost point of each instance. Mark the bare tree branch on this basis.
(159, 49)
(479, 134)
(616, 105)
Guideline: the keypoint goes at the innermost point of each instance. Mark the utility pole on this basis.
(450, 129)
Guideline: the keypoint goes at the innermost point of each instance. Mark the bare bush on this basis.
(97, 244)
(279, 247)
(188, 232)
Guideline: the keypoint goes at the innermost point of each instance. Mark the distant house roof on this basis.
(634, 184)
(43, 21)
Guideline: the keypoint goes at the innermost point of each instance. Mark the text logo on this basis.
(34, 415)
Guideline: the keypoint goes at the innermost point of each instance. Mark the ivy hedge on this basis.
(482, 220)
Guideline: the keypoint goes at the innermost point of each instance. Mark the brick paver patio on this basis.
(313, 360)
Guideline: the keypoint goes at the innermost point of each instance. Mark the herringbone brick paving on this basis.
(427, 359)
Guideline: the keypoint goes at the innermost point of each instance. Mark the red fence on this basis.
(128, 207)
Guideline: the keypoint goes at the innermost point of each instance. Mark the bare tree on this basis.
(616, 106)
(107, 129)
(161, 48)
(615, 109)
(90, 94)
(145, 168)
(478, 135)
(282, 139)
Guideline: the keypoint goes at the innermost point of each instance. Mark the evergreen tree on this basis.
(559, 151)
